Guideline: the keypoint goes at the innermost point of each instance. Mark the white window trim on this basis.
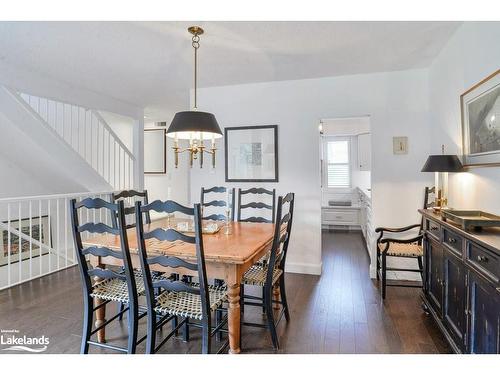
(324, 162)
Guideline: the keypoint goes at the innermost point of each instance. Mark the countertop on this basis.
(487, 237)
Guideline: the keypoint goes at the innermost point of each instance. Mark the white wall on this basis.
(397, 104)
(177, 179)
(471, 55)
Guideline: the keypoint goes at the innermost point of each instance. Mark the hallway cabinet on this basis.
(462, 284)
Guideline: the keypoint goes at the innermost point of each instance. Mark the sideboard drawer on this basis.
(484, 260)
(453, 241)
(432, 228)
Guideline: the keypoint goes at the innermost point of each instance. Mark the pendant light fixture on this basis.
(195, 126)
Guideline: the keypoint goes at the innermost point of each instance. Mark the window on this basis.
(338, 170)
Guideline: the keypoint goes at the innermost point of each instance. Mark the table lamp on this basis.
(441, 165)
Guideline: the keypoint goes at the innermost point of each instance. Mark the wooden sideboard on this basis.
(461, 288)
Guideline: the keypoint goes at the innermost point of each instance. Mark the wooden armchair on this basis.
(401, 248)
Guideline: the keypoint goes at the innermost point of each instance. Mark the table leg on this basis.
(100, 316)
(234, 318)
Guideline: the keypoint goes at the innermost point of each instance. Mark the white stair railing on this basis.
(89, 135)
(36, 237)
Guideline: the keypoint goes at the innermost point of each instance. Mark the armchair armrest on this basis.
(393, 230)
(396, 230)
(405, 240)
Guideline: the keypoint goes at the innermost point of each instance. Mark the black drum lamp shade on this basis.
(192, 124)
(442, 163)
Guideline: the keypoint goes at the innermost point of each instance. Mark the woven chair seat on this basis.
(116, 290)
(188, 305)
(257, 275)
(403, 249)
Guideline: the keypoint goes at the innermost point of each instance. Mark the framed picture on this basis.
(155, 151)
(20, 249)
(400, 145)
(251, 153)
(480, 107)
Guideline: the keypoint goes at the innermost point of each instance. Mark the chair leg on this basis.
(268, 302)
(151, 332)
(88, 316)
(218, 319)
(378, 264)
(132, 328)
(421, 267)
(120, 308)
(174, 323)
(205, 338)
(185, 331)
(384, 274)
(242, 298)
(283, 297)
(263, 296)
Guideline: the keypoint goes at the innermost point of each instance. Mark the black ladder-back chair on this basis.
(124, 195)
(118, 287)
(216, 202)
(256, 219)
(129, 211)
(257, 205)
(180, 299)
(272, 274)
(401, 248)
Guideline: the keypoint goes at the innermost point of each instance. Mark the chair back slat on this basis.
(102, 252)
(216, 217)
(216, 189)
(260, 205)
(173, 262)
(176, 286)
(130, 194)
(129, 197)
(217, 203)
(96, 203)
(257, 205)
(258, 191)
(168, 235)
(106, 274)
(256, 219)
(168, 207)
(98, 228)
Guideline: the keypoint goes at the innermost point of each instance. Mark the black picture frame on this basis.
(276, 158)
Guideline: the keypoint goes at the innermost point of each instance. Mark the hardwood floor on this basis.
(339, 312)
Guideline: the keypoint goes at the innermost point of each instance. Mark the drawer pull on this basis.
(434, 228)
(498, 290)
(482, 258)
(452, 240)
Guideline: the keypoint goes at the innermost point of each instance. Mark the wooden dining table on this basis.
(227, 257)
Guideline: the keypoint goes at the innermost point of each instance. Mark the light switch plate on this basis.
(400, 145)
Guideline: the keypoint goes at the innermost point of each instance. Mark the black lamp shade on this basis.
(442, 163)
(189, 124)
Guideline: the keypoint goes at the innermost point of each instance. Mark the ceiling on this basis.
(150, 64)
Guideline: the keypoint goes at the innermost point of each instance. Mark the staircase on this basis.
(88, 134)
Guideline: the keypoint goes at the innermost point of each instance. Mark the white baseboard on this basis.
(304, 268)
